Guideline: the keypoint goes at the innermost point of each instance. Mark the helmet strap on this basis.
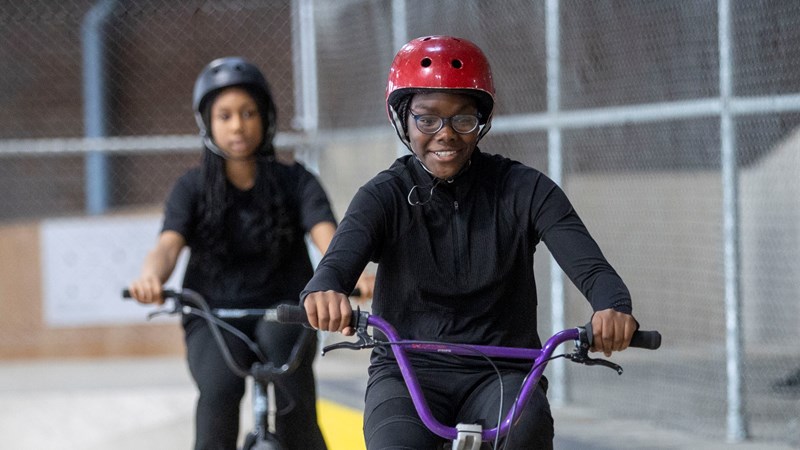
(211, 145)
(485, 128)
(397, 122)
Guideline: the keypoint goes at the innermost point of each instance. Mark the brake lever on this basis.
(604, 363)
(581, 355)
(584, 359)
(364, 341)
(166, 310)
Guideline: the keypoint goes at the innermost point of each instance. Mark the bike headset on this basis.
(439, 63)
(228, 72)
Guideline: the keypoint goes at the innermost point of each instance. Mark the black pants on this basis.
(391, 422)
(221, 390)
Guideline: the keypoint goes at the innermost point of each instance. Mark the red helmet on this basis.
(441, 63)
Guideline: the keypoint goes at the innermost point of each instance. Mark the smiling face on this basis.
(236, 125)
(446, 152)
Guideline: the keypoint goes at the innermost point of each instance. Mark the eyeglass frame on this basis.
(444, 120)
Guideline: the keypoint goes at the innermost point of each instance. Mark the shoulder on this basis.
(193, 174)
(389, 181)
(507, 171)
(291, 168)
(291, 175)
(190, 181)
(186, 195)
(399, 172)
(517, 185)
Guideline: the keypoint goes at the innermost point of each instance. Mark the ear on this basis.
(397, 122)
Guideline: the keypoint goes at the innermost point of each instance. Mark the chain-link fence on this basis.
(672, 125)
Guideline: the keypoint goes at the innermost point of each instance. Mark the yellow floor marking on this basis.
(340, 425)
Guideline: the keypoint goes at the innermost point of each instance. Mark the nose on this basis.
(447, 128)
(236, 121)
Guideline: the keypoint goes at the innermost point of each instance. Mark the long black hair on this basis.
(275, 223)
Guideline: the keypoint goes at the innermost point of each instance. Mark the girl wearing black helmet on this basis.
(244, 216)
(454, 231)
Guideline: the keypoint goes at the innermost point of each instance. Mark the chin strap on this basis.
(211, 145)
(435, 183)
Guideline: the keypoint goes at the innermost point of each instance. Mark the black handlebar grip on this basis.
(297, 314)
(292, 314)
(167, 293)
(649, 340)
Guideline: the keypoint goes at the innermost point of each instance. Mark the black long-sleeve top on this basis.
(455, 261)
(252, 275)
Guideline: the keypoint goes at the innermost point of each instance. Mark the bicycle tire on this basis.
(254, 442)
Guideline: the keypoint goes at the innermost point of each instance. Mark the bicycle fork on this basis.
(264, 408)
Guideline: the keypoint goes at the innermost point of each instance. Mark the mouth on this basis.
(238, 145)
(445, 154)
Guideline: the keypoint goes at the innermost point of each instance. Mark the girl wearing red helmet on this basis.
(454, 231)
(244, 216)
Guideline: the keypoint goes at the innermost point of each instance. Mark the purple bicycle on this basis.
(470, 436)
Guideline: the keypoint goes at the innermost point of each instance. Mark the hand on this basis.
(612, 331)
(147, 289)
(329, 311)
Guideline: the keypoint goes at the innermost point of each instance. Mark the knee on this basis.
(221, 391)
(399, 433)
(391, 422)
(535, 427)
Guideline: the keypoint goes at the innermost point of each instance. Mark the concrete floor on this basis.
(147, 403)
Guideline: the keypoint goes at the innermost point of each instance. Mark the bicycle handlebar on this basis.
(650, 340)
(262, 370)
(540, 357)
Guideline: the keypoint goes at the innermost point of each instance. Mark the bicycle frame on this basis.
(538, 356)
(469, 435)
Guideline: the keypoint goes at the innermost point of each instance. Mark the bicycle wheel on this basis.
(255, 442)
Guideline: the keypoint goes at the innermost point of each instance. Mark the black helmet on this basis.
(226, 72)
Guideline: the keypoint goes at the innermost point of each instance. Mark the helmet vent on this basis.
(456, 63)
(426, 62)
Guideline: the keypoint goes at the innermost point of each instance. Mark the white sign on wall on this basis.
(87, 262)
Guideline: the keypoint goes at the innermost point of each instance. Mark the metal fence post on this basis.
(95, 105)
(555, 170)
(737, 424)
(306, 84)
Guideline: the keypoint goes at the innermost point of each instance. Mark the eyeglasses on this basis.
(431, 123)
